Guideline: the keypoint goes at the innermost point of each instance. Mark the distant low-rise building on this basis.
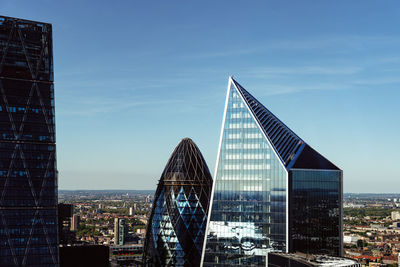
(141, 231)
(350, 239)
(395, 215)
(148, 199)
(127, 255)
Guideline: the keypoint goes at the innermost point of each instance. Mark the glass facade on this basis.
(271, 190)
(315, 211)
(248, 215)
(175, 231)
(28, 175)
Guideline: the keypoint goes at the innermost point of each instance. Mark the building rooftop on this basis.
(319, 260)
(289, 147)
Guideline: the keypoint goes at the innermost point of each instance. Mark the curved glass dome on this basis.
(175, 231)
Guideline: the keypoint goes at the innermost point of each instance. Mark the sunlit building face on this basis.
(271, 189)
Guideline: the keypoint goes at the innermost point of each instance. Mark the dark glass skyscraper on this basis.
(272, 192)
(28, 176)
(175, 231)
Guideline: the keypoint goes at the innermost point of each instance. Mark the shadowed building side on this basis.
(28, 171)
(176, 227)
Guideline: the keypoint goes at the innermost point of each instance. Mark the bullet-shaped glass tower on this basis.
(177, 223)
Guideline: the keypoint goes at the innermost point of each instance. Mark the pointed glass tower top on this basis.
(288, 146)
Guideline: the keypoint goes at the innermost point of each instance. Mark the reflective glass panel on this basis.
(315, 211)
(248, 217)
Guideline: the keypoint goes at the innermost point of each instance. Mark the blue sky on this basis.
(132, 78)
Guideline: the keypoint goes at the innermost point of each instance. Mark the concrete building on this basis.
(351, 239)
(120, 231)
(395, 215)
(131, 211)
(75, 220)
(126, 255)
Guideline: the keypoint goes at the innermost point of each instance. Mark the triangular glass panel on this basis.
(247, 162)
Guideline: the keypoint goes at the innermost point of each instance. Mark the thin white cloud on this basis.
(303, 70)
(279, 89)
(377, 81)
(339, 44)
(95, 106)
(224, 53)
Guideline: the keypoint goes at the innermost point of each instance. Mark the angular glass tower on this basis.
(271, 192)
(176, 227)
(28, 175)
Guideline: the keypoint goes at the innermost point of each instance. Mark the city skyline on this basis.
(114, 91)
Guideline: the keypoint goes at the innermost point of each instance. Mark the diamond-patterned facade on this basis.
(176, 227)
(28, 176)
